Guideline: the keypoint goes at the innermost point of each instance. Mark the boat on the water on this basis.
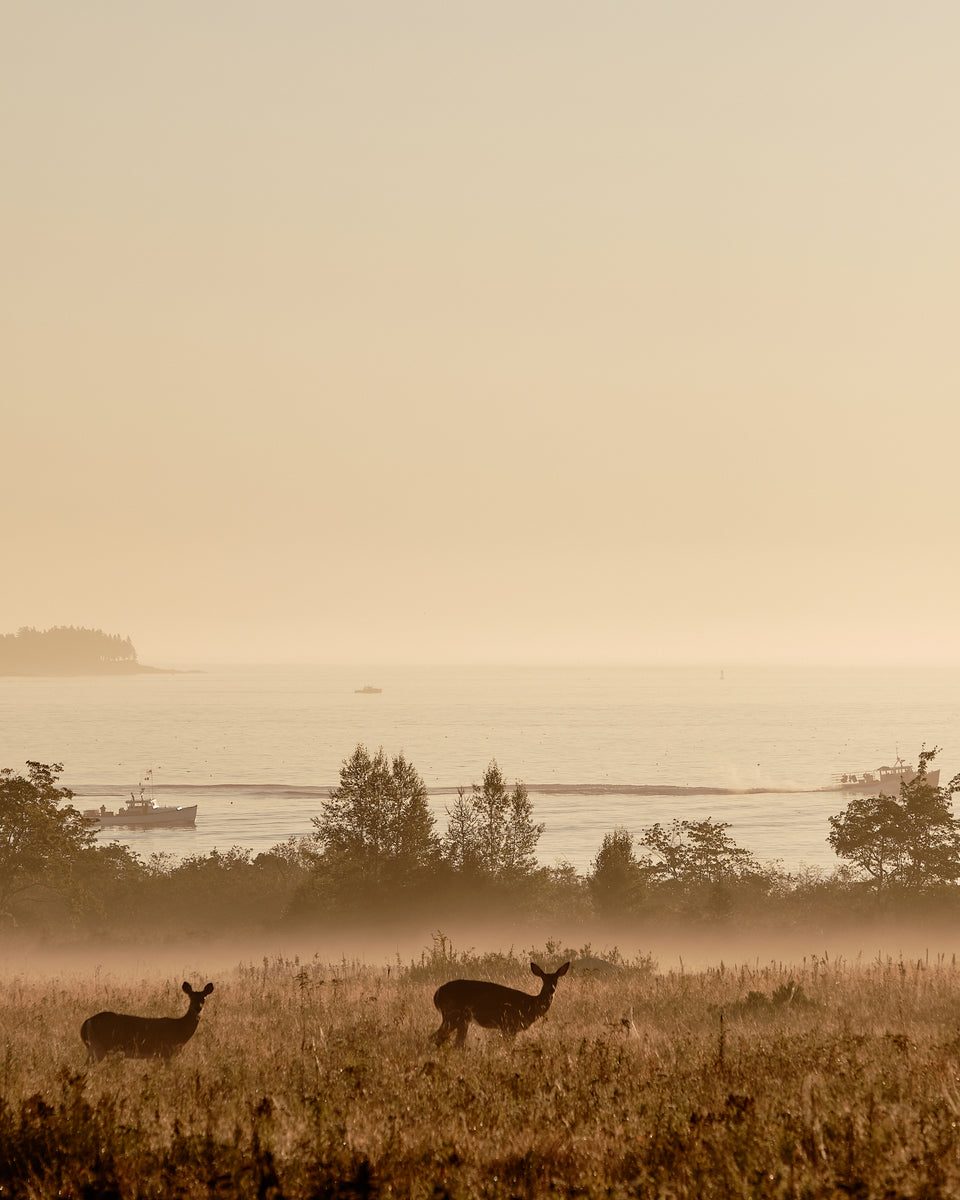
(884, 780)
(142, 812)
(367, 690)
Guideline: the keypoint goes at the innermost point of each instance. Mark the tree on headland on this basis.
(64, 649)
(910, 841)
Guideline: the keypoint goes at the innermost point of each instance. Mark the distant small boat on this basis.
(883, 780)
(367, 690)
(142, 812)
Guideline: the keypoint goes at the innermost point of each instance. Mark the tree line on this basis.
(376, 854)
(63, 649)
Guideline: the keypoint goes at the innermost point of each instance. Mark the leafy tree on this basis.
(492, 832)
(412, 841)
(521, 835)
(377, 824)
(868, 833)
(42, 836)
(618, 877)
(911, 841)
(694, 853)
(461, 842)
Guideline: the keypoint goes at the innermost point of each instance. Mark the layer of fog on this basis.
(678, 949)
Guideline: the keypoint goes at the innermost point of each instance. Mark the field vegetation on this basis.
(312, 1078)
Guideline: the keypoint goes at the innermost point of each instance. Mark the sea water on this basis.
(255, 747)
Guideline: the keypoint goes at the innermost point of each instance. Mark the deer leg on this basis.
(462, 1025)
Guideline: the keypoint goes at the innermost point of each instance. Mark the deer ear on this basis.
(187, 988)
(536, 970)
(564, 969)
(208, 989)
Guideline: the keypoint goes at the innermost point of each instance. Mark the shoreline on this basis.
(87, 673)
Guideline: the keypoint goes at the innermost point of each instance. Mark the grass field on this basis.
(309, 1079)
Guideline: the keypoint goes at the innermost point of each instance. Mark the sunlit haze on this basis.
(509, 331)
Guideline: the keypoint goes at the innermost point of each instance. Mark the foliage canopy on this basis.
(375, 853)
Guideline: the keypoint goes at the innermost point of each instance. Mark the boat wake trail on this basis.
(266, 791)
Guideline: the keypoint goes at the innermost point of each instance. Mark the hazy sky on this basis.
(482, 331)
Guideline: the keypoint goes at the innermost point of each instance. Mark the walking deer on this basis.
(492, 1005)
(142, 1037)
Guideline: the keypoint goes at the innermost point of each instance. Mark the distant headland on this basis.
(68, 650)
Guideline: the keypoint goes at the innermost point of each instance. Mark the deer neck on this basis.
(191, 1018)
(541, 1002)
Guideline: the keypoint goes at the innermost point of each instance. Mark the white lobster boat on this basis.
(142, 812)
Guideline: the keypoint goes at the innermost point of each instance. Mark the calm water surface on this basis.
(252, 745)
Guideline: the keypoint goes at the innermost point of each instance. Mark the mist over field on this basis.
(677, 948)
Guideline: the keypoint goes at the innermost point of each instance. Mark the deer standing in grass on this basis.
(142, 1037)
(492, 1005)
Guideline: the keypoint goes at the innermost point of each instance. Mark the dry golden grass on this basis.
(312, 1079)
